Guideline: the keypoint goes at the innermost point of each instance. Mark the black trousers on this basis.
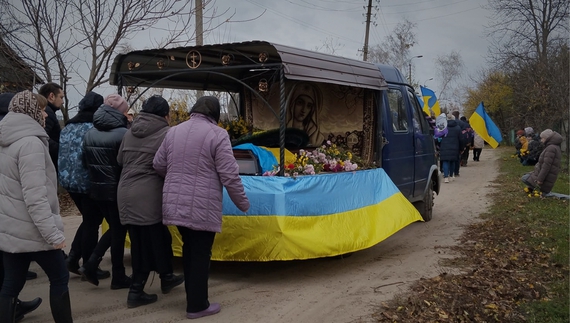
(87, 233)
(16, 267)
(114, 237)
(477, 153)
(196, 254)
(151, 249)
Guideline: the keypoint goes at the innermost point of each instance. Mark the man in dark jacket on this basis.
(54, 94)
(101, 147)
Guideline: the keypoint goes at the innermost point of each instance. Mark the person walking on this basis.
(74, 178)
(478, 144)
(547, 168)
(54, 94)
(101, 146)
(450, 146)
(197, 161)
(31, 228)
(140, 202)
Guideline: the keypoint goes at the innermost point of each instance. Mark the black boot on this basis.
(7, 309)
(169, 281)
(89, 270)
(23, 308)
(61, 308)
(137, 297)
(72, 262)
(120, 281)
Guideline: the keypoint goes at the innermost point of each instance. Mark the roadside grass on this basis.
(514, 263)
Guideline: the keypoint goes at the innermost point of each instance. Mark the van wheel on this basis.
(425, 207)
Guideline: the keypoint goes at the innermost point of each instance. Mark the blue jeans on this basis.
(448, 167)
(16, 267)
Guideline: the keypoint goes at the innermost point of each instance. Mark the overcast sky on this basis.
(442, 26)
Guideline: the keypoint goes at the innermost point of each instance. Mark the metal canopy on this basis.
(202, 67)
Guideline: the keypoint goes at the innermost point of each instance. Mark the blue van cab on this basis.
(369, 107)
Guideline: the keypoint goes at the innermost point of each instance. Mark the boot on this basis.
(72, 262)
(169, 281)
(137, 297)
(101, 274)
(23, 308)
(121, 281)
(61, 308)
(7, 309)
(89, 270)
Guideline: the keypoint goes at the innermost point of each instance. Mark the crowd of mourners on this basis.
(139, 175)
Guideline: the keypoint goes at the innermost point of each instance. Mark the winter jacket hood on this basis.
(107, 118)
(16, 126)
(146, 124)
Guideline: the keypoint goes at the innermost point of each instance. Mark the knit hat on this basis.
(520, 133)
(5, 102)
(156, 104)
(117, 102)
(207, 105)
(25, 102)
(450, 116)
(91, 102)
(528, 131)
(546, 134)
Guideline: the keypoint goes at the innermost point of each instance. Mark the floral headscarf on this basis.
(25, 102)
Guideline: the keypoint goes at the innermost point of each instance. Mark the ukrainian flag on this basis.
(430, 101)
(312, 216)
(485, 127)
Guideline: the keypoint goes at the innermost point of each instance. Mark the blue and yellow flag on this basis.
(430, 101)
(485, 127)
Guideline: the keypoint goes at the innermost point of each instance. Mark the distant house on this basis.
(15, 74)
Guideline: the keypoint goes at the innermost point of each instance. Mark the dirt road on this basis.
(321, 290)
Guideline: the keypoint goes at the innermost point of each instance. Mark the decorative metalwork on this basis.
(263, 85)
(160, 64)
(193, 59)
(263, 56)
(226, 59)
(133, 65)
(131, 90)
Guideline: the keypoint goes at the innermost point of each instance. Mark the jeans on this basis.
(525, 178)
(448, 166)
(196, 254)
(16, 267)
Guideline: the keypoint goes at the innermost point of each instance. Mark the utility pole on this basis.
(199, 32)
(368, 18)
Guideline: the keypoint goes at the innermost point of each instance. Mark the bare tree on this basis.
(329, 46)
(449, 69)
(81, 38)
(395, 49)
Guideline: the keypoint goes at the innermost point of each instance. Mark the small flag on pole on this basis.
(482, 124)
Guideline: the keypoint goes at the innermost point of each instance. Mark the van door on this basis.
(423, 147)
(398, 150)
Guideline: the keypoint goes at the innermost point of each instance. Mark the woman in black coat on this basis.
(449, 148)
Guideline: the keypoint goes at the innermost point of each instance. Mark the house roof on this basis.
(14, 70)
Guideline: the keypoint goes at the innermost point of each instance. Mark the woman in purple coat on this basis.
(197, 161)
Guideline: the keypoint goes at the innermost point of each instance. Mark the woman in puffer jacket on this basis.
(197, 161)
(547, 168)
(31, 228)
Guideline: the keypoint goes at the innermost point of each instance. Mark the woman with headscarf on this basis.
(197, 161)
(547, 168)
(303, 109)
(31, 228)
(140, 202)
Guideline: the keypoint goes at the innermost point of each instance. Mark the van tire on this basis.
(425, 207)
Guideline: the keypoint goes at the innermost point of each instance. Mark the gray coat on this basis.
(140, 188)
(29, 208)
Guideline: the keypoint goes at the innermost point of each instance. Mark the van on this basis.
(298, 100)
